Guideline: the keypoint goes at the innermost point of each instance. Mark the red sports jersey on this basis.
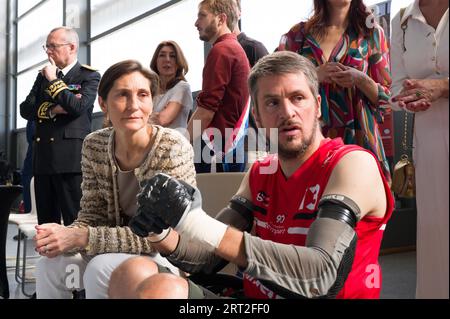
(287, 208)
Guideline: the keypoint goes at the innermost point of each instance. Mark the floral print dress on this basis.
(347, 112)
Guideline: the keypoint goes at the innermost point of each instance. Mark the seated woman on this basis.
(174, 101)
(114, 161)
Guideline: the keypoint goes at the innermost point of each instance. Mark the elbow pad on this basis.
(238, 214)
(328, 257)
(339, 207)
(343, 209)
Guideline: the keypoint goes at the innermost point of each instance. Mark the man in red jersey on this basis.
(318, 217)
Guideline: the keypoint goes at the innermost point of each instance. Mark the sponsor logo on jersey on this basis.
(271, 227)
(263, 198)
(310, 198)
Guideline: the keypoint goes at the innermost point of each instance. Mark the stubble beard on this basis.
(208, 33)
(297, 151)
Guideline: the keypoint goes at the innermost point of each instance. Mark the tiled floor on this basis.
(399, 276)
(399, 272)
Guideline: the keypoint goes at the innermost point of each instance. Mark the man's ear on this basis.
(73, 47)
(222, 19)
(319, 108)
(255, 114)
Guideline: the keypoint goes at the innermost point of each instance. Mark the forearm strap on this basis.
(156, 238)
(194, 256)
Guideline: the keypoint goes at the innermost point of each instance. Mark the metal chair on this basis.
(29, 231)
(25, 230)
(8, 193)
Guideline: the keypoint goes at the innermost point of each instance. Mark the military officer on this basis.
(61, 103)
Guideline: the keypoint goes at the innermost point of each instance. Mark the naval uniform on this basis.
(59, 138)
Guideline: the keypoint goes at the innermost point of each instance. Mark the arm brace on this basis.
(194, 256)
(317, 270)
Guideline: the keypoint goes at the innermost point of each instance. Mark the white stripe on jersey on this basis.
(298, 230)
(261, 223)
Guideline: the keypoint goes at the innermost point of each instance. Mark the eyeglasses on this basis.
(47, 47)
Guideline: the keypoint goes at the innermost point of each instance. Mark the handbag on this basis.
(403, 177)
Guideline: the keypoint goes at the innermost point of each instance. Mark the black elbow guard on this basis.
(339, 207)
(244, 208)
(343, 209)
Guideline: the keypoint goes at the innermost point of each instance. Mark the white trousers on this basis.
(57, 277)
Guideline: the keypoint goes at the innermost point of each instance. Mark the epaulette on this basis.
(88, 67)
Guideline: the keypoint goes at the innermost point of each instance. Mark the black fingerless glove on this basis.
(161, 203)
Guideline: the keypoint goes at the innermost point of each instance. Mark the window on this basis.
(396, 6)
(24, 84)
(33, 30)
(139, 40)
(106, 14)
(266, 22)
(24, 6)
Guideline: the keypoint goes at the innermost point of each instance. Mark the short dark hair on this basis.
(282, 62)
(122, 68)
(182, 65)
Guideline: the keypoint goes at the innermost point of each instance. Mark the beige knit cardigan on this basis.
(100, 212)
